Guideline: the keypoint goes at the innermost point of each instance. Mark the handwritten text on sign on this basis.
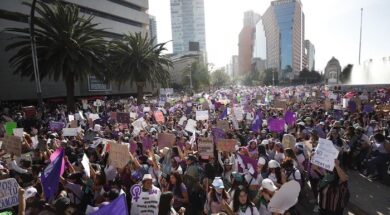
(119, 155)
(12, 145)
(325, 154)
(8, 193)
(226, 145)
(206, 147)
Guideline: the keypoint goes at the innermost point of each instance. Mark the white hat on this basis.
(261, 161)
(301, 123)
(273, 164)
(147, 177)
(265, 142)
(268, 184)
(218, 183)
(30, 192)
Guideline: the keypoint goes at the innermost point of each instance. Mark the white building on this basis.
(115, 17)
(310, 55)
(153, 28)
(188, 25)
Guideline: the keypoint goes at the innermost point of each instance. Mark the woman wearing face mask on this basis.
(275, 173)
(241, 204)
(216, 197)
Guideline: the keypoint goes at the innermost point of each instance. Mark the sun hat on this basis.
(147, 177)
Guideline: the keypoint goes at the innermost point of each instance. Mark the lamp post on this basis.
(34, 55)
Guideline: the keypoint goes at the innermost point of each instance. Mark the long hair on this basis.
(179, 181)
(290, 154)
(165, 203)
(262, 151)
(213, 195)
(278, 174)
(236, 200)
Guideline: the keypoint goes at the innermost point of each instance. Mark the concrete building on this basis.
(332, 71)
(116, 17)
(310, 53)
(188, 25)
(234, 63)
(180, 64)
(246, 42)
(284, 29)
(153, 29)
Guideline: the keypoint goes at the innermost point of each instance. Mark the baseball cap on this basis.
(261, 161)
(30, 192)
(268, 184)
(218, 183)
(273, 164)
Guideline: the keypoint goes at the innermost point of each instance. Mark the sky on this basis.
(333, 26)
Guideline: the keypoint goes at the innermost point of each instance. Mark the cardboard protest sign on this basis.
(205, 105)
(182, 119)
(285, 198)
(133, 115)
(191, 125)
(73, 124)
(158, 115)
(226, 145)
(69, 132)
(18, 132)
(12, 145)
(70, 118)
(224, 125)
(325, 154)
(276, 125)
(9, 193)
(206, 147)
(202, 115)
(30, 111)
(238, 113)
(85, 163)
(123, 117)
(119, 155)
(327, 104)
(166, 140)
(93, 116)
(147, 143)
(9, 127)
(113, 115)
(280, 104)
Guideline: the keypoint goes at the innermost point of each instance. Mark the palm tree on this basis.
(69, 47)
(136, 59)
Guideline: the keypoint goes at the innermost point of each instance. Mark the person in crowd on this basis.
(166, 205)
(179, 190)
(241, 204)
(216, 197)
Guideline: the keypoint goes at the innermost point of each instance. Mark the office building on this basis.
(188, 27)
(284, 29)
(246, 42)
(116, 17)
(234, 63)
(153, 29)
(310, 53)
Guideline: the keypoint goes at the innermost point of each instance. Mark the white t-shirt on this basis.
(146, 202)
(248, 210)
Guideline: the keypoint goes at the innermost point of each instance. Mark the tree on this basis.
(69, 47)
(345, 75)
(200, 76)
(270, 77)
(308, 77)
(136, 59)
(219, 78)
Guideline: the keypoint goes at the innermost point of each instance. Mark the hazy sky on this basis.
(331, 25)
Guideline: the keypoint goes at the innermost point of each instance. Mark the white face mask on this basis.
(219, 191)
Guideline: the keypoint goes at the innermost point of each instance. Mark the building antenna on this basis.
(361, 27)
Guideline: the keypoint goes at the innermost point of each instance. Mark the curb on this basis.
(356, 209)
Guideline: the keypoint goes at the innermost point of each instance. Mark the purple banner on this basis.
(276, 125)
(368, 108)
(290, 118)
(217, 134)
(56, 126)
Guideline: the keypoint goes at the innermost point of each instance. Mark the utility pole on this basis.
(34, 55)
(361, 27)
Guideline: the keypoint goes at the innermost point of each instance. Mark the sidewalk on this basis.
(367, 197)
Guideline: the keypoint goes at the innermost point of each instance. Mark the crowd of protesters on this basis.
(73, 174)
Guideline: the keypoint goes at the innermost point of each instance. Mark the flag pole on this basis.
(361, 27)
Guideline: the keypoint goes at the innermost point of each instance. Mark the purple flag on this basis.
(246, 161)
(56, 126)
(117, 207)
(50, 177)
(368, 108)
(55, 155)
(256, 124)
(276, 125)
(290, 118)
(223, 114)
(217, 134)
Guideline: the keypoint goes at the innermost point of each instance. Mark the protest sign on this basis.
(276, 125)
(285, 198)
(205, 105)
(290, 117)
(133, 115)
(73, 124)
(146, 109)
(147, 143)
(85, 104)
(9, 127)
(119, 155)
(81, 115)
(123, 117)
(345, 103)
(166, 140)
(158, 115)
(12, 145)
(93, 116)
(29, 111)
(206, 147)
(325, 154)
(70, 118)
(280, 104)
(9, 193)
(182, 119)
(69, 132)
(224, 125)
(18, 132)
(139, 125)
(226, 145)
(327, 104)
(113, 115)
(238, 113)
(85, 163)
(202, 115)
(191, 125)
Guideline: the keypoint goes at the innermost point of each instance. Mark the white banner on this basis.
(325, 154)
(69, 132)
(9, 193)
(191, 125)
